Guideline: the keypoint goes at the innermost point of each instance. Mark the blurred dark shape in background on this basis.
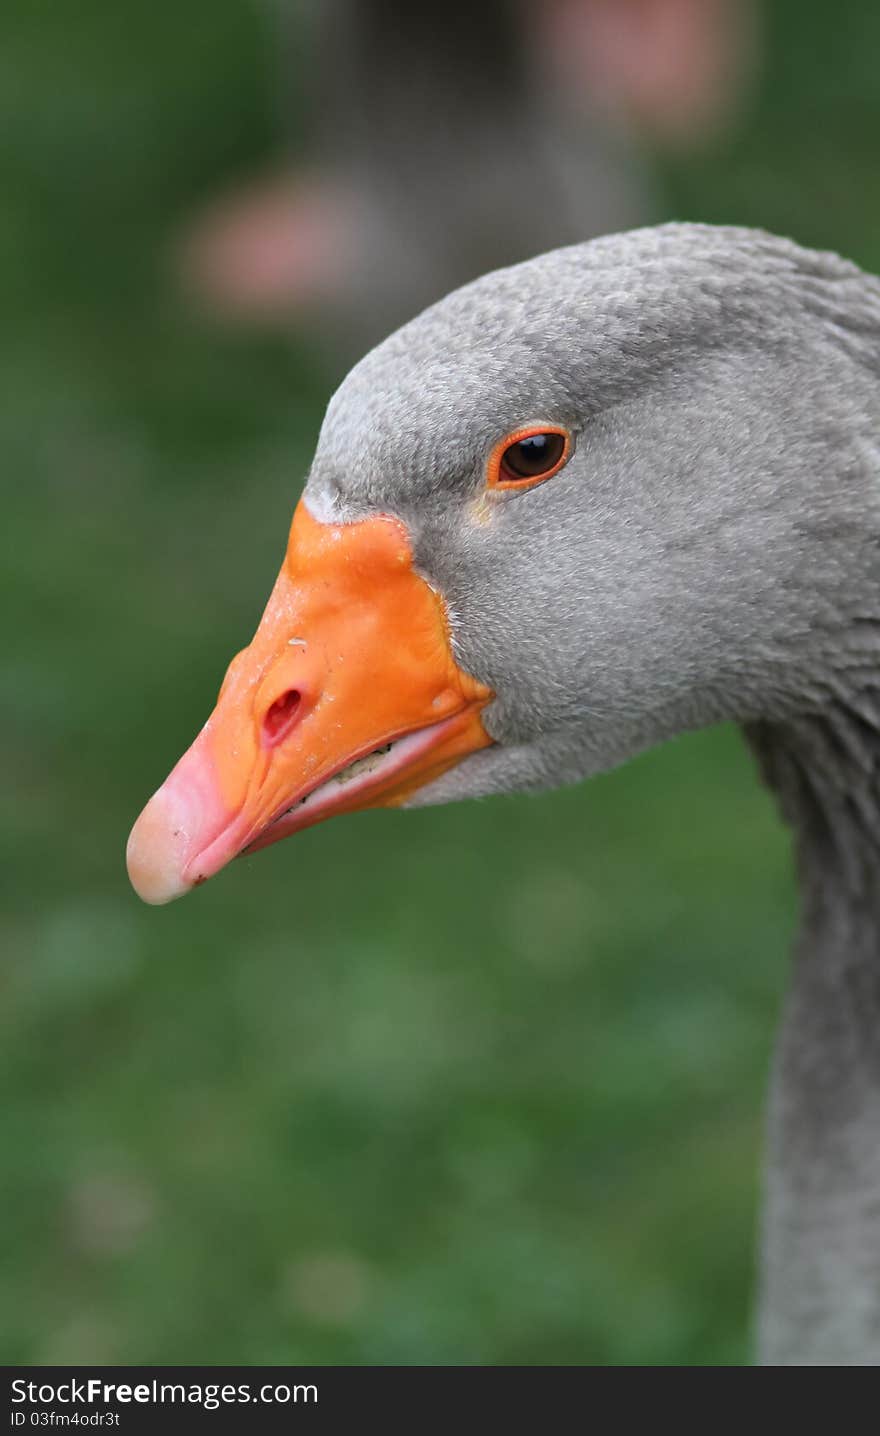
(448, 139)
(476, 1084)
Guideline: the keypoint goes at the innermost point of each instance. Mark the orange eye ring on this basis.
(502, 475)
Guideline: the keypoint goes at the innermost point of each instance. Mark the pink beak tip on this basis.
(157, 850)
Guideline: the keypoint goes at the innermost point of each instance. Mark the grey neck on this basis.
(821, 1241)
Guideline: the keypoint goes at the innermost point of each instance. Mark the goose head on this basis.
(617, 492)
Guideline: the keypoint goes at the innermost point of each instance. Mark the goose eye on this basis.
(528, 457)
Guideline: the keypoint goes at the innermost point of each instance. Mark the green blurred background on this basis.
(479, 1084)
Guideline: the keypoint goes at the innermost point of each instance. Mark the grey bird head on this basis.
(698, 555)
(701, 554)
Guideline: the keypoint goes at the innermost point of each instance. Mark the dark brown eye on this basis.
(528, 456)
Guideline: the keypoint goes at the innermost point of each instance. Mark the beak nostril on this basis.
(280, 717)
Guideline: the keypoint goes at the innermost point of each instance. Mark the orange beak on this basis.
(348, 697)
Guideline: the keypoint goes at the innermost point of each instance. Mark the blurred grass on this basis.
(471, 1085)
